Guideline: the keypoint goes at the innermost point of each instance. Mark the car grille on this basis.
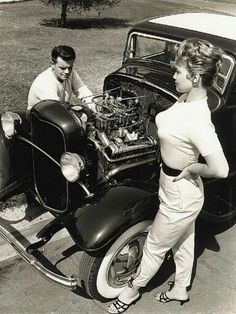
(49, 181)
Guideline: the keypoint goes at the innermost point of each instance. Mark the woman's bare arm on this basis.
(216, 167)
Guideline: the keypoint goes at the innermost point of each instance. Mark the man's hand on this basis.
(83, 116)
(91, 105)
(77, 108)
(87, 99)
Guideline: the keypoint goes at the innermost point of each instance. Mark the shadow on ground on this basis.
(85, 23)
(53, 268)
(205, 239)
(206, 232)
(39, 256)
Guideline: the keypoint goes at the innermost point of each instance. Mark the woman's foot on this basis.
(175, 294)
(163, 298)
(119, 306)
(127, 297)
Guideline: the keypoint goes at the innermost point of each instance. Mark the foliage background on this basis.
(28, 32)
(82, 5)
(79, 6)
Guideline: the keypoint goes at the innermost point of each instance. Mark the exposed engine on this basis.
(116, 141)
(120, 126)
(120, 133)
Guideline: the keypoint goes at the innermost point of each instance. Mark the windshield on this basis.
(151, 48)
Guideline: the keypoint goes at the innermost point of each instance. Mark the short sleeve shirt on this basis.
(46, 86)
(185, 130)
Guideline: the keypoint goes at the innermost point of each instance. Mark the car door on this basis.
(220, 194)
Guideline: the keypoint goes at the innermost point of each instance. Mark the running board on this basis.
(65, 282)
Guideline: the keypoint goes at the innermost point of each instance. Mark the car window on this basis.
(151, 48)
(223, 76)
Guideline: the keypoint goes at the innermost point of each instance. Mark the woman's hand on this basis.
(216, 167)
(187, 175)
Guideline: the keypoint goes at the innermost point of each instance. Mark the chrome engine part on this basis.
(119, 132)
(122, 130)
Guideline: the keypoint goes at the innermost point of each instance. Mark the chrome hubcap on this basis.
(126, 261)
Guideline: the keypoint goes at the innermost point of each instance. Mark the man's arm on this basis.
(87, 97)
(82, 91)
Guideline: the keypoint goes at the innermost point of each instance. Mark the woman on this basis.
(185, 130)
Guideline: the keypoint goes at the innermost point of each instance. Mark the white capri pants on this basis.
(173, 228)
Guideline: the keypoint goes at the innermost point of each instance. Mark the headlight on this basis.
(71, 166)
(8, 120)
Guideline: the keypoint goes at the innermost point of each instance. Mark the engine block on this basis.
(122, 131)
(119, 132)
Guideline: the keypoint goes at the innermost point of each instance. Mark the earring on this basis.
(195, 81)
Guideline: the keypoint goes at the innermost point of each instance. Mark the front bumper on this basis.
(65, 282)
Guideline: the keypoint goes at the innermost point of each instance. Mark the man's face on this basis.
(62, 69)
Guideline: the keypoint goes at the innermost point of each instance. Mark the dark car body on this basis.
(144, 65)
(113, 200)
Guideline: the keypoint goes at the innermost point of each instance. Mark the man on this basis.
(60, 80)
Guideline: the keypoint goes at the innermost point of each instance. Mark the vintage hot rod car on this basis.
(97, 172)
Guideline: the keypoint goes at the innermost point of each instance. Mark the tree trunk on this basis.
(63, 13)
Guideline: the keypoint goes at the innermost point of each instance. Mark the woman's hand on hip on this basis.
(186, 174)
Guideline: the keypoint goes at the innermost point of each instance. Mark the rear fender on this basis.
(96, 225)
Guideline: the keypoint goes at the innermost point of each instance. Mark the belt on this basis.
(170, 171)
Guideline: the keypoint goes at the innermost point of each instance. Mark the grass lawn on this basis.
(28, 33)
(223, 1)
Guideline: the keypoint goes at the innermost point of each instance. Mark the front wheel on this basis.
(105, 277)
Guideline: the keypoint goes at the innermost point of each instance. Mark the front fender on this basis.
(96, 225)
(4, 160)
(15, 159)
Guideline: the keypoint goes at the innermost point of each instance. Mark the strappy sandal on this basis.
(163, 298)
(120, 307)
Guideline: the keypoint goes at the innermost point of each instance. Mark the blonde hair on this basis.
(200, 57)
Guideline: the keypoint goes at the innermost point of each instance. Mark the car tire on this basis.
(104, 277)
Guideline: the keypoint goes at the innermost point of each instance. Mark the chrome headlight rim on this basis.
(71, 166)
(8, 120)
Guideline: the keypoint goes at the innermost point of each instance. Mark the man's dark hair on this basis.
(65, 52)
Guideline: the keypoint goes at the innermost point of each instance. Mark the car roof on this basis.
(217, 28)
(213, 24)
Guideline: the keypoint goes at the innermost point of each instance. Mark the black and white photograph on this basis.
(117, 156)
